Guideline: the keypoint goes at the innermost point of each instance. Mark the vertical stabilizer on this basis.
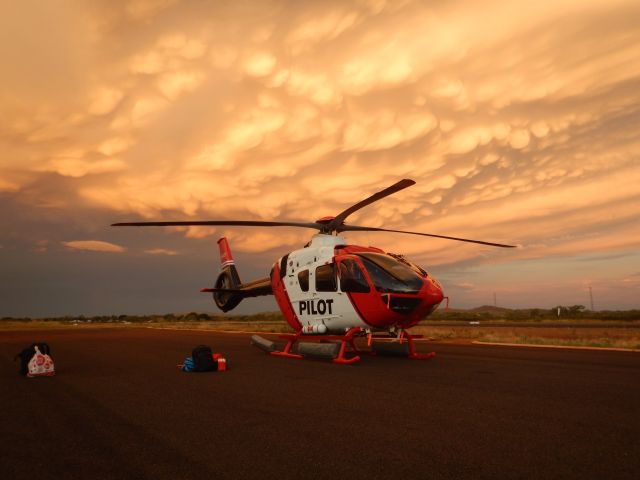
(229, 291)
(226, 259)
(228, 278)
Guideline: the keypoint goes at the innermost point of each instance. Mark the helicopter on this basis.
(332, 292)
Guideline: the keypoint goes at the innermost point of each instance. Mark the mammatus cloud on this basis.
(519, 122)
(94, 246)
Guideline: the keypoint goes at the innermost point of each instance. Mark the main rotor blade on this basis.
(337, 221)
(231, 223)
(355, 228)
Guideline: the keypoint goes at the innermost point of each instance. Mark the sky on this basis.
(519, 121)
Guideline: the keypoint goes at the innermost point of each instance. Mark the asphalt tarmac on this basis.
(119, 408)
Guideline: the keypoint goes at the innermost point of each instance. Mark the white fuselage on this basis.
(315, 307)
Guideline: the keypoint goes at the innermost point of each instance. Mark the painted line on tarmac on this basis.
(566, 347)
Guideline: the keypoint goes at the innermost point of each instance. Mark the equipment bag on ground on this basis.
(35, 361)
(203, 359)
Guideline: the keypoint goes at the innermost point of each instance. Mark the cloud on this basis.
(518, 122)
(161, 251)
(464, 286)
(94, 246)
(103, 100)
(70, 166)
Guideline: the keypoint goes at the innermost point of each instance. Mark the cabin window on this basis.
(303, 279)
(326, 278)
(283, 266)
(351, 277)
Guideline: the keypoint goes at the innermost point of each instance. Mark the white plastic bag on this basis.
(41, 365)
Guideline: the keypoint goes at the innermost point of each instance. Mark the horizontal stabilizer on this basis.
(256, 288)
(223, 290)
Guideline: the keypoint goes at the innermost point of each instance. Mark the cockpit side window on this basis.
(303, 279)
(351, 277)
(326, 278)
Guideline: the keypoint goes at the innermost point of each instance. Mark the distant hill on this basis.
(481, 309)
(490, 309)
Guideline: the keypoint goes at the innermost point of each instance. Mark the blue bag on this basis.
(188, 365)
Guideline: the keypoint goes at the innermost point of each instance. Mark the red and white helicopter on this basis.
(335, 292)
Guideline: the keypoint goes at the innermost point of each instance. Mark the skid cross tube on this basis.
(347, 338)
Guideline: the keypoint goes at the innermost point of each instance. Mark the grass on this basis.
(266, 327)
(599, 342)
(602, 337)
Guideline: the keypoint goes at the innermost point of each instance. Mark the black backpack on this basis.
(203, 359)
(27, 354)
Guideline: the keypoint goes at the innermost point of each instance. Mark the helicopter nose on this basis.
(434, 291)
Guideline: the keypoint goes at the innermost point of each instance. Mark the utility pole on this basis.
(591, 297)
(495, 303)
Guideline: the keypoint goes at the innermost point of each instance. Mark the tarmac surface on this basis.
(119, 408)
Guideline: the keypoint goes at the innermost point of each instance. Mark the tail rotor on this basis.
(227, 281)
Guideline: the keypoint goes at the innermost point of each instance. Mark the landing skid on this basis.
(346, 345)
(413, 355)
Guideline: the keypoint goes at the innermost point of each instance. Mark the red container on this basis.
(222, 364)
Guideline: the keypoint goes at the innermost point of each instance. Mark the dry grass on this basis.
(604, 337)
(600, 336)
(219, 326)
(266, 327)
(56, 325)
(631, 344)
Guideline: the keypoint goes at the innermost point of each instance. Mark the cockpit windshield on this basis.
(389, 275)
(413, 266)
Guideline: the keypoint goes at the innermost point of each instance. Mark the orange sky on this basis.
(518, 120)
